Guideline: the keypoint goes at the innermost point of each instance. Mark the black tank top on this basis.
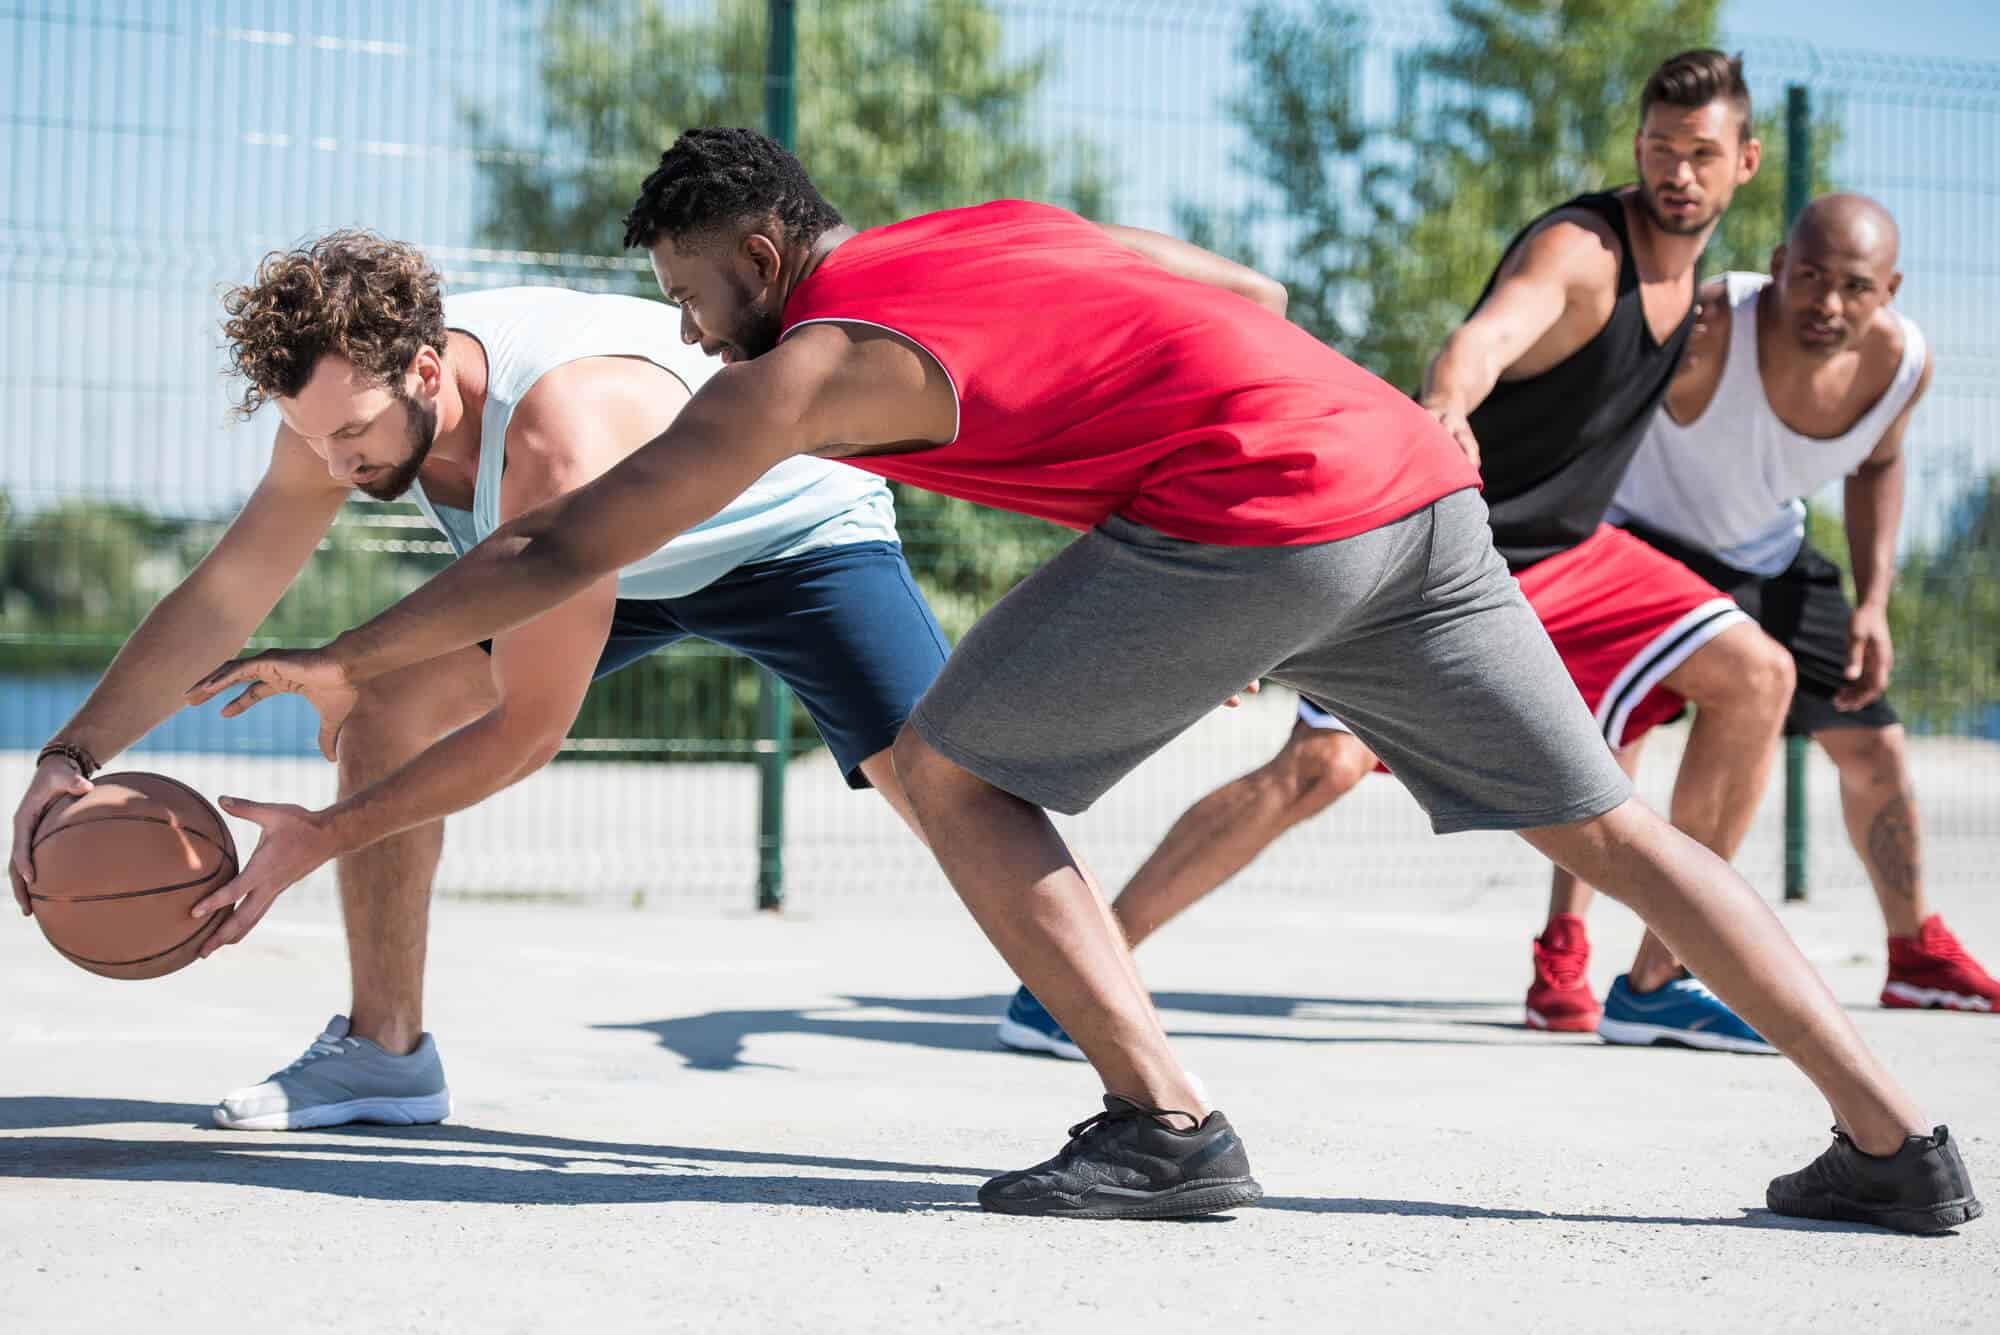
(1553, 448)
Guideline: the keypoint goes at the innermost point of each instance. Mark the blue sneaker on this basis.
(1682, 1014)
(1029, 1028)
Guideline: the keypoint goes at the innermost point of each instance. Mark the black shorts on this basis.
(1803, 608)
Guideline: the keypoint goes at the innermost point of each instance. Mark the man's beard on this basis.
(420, 426)
(756, 331)
(1666, 222)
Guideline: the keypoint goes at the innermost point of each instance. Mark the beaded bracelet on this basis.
(86, 764)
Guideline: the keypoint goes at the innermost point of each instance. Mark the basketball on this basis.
(118, 869)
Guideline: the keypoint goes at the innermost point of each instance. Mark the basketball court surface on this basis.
(735, 1123)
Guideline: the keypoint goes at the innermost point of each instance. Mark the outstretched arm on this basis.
(1872, 508)
(211, 613)
(1203, 266)
(824, 387)
(1535, 288)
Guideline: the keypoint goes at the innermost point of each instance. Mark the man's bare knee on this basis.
(398, 715)
(1773, 676)
(1869, 757)
(1318, 767)
(920, 769)
(1742, 669)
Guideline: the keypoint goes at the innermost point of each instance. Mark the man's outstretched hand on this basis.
(312, 673)
(294, 842)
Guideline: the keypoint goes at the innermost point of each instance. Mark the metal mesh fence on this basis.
(153, 151)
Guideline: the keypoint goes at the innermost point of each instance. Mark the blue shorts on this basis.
(845, 627)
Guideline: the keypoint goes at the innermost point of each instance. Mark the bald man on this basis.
(1791, 381)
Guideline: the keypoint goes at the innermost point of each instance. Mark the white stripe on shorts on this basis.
(1662, 654)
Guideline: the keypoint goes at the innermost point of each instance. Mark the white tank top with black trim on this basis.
(1732, 481)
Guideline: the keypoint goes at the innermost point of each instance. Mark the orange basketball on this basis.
(118, 869)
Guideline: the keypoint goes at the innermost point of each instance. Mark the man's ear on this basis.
(428, 367)
(760, 254)
(1778, 260)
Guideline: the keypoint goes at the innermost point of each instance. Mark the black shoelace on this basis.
(1125, 1111)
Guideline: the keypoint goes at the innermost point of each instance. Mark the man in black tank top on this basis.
(1553, 444)
(1549, 385)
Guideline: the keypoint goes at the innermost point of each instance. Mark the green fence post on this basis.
(1798, 184)
(774, 748)
(774, 701)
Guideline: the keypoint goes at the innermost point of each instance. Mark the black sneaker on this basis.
(1921, 1188)
(1129, 1163)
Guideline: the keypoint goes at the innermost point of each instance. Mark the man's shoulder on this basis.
(1889, 337)
(1576, 242)
(1576, 227)
(568, 398)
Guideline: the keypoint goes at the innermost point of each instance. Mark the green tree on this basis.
(1394, 219)
(1944, 611)
(901, 109)
(77, 578)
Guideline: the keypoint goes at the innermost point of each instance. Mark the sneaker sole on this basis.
(1187, 1201)
(1934, 1219)
(1630, 1033)
(381, 1111)
(1563, 1024)
(1905, 996)
(1013, 1034)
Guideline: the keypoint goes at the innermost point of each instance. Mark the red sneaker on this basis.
(1932, 971)
(1559, 998)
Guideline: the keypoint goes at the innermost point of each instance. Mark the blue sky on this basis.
(1960, 29)
(153, 150)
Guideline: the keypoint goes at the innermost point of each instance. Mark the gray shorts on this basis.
(1413, 633)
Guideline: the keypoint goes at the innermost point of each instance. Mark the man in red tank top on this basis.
(1255, 506)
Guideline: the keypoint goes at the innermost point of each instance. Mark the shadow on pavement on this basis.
(993, 1005)
(715, 1041)
(475, 1165)
(448, 1163)
(1451, 1210)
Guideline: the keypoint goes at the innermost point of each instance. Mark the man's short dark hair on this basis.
(1693, 79)
(716, 178)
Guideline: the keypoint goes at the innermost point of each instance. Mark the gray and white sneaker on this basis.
(342, 1079)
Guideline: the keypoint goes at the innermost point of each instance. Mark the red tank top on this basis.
(1093, 383)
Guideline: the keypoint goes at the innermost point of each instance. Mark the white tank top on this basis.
(1731, 481)
(801, 505)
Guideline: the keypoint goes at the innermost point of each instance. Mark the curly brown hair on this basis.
(351, 293)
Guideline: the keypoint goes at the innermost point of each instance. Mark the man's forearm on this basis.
(520, 571)
(1873, 509)
(556, 550)
(458, 771)
(183, 636)
(1461, 375)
